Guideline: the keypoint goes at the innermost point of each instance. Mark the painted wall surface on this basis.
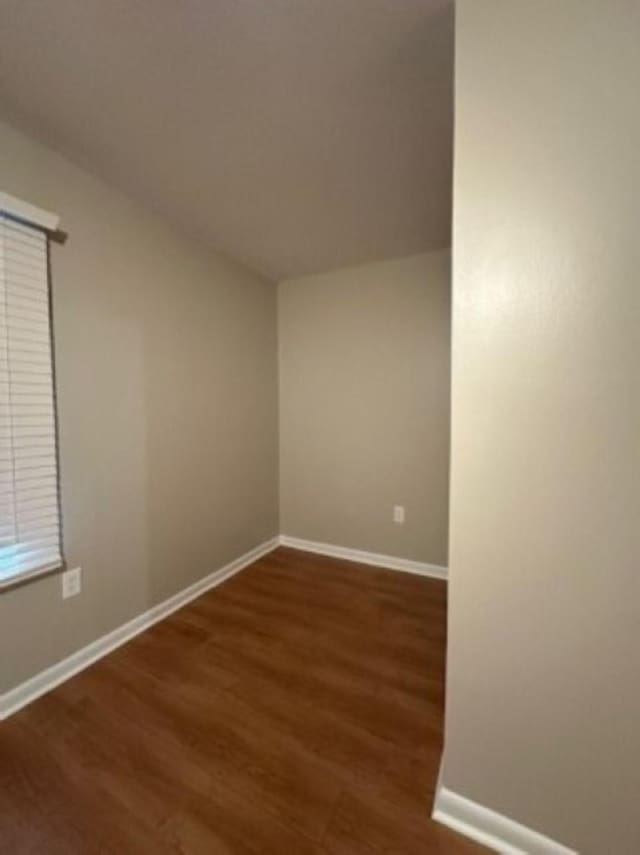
(167, 391)
(543, 699)
(364, 406)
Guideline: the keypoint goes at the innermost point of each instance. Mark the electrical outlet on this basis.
(71, 582)
(398, 514)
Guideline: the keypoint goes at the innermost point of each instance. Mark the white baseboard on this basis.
(376, 560)
(492, 829)
(26, 692)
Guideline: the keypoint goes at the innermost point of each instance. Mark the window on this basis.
(30, 540)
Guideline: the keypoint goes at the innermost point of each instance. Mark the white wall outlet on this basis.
(398, 514)
(71, 582)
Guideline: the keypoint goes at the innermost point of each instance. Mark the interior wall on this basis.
(543, 698)
(166, 363)
(364, 406)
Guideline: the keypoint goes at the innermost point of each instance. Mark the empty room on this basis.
(319, 427)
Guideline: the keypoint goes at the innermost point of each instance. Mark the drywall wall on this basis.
(167, 393)
(364, 406)
(543, 698)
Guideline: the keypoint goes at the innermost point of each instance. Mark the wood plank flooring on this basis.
(297, 708)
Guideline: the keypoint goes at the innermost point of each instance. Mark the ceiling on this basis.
(294, 135)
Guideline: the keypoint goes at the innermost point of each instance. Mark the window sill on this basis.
(11, 582)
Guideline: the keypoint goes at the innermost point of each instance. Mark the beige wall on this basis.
(543, 700)
(167, 392)
(364, 406)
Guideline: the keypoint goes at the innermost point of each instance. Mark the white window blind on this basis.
(30, 540)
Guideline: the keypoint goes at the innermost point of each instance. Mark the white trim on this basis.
(28, 212)
(18, 578)
(375, 559)
(21, 695)
(492, 829)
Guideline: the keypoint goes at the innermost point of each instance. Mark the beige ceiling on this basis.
(294, 135)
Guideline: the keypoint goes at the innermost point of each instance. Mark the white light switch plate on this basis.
(71, 582)
(398, 514)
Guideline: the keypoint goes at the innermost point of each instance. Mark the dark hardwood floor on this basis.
(297, 708)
